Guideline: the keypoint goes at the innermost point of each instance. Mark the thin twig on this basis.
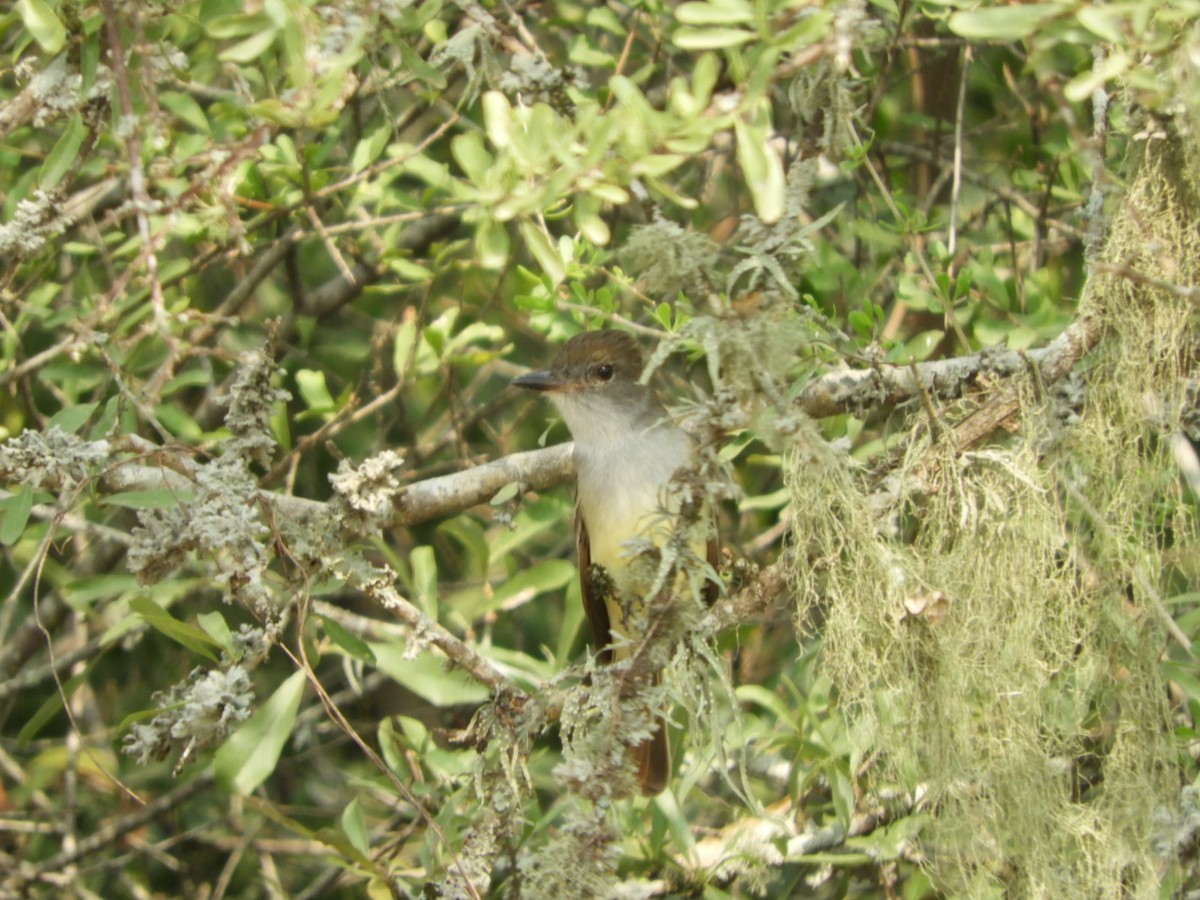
(956, 184)
(110, 832)
(137, 174)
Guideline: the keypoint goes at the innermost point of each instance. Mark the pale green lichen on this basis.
(371, 487)
(1032, 705)
(223, 520)
(51, 460)
(197, 713)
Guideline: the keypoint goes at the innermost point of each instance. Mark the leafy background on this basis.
(248, 246)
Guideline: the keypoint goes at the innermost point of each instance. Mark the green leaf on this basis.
(687, 38)
(548, 575)
(842, 788)
(411, 271)
(497, 119)
(768, 700)
(313, 391)
(402, 348)
(609, 193)
(386, 739)
(427, 676)
(181, 632)
(354, 826)
(178, 422)
(351, 643)
(408, 17)
(491, 244)
(237, 25)
(251, 753)
(278, 112)
(1003, 23)
(505, 493)
(677, 821)
(919, 347)
(657, 164)
(84, 591)
(186, 110)
(369, 148)
(472, 537)
(1183, 674)
(472, 157)
(250, 49)
(415, 732)
(89, 60)
(582, 53)
(543, 250)
(572, 622)
(1106, 22)
(763, 170)
(197, 377)
(16, 515)
(1082, 86)
(154, 498)
(41, 22)
(773, 500)
(425, 580)
(860, 322)
(71, 418)
(588, 221)
(716, 12)
(63, 154)
(415, 65)
(217, 628)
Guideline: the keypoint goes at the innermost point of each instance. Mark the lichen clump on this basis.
(1032, 706)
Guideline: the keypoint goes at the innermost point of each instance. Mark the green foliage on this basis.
(265, 271)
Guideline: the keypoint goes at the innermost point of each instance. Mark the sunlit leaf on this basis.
(427, 676)
(43, 24)
(217, 628)
(313, 391)
(17, 510)
(546, 254)
(763, 169)
(1008, 22)
(715, 12)
(688, 38)
(491, 244)
(249, 49)
(250, 754)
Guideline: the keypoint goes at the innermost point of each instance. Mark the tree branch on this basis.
(859, 390)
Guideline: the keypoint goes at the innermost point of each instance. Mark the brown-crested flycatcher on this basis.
(626, 450)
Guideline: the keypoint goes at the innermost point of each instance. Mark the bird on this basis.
(627, 449)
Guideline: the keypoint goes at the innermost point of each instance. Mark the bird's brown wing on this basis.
(653, 760)
(589, 585)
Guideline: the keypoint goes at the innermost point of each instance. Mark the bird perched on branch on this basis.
(626, 451)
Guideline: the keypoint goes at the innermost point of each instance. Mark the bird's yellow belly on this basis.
(620, 546)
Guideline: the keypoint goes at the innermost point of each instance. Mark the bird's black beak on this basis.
(545, 380)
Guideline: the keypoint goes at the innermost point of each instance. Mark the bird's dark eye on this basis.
(605, 371)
